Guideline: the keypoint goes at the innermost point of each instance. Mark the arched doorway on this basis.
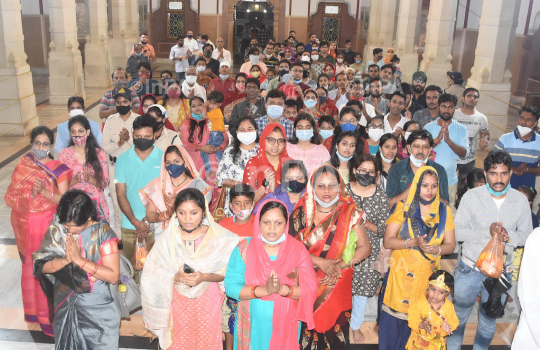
(248, 19)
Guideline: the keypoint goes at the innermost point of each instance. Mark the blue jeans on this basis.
(358, 310)
(215, 139)
(468, 283)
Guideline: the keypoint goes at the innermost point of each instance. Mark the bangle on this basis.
(253, 293)
(439, 250)
(52, 264)
(85, 261)
(291, 291)
(407, 240)
(52, 195)
(95, 270)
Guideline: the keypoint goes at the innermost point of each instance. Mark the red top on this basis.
(245, 230)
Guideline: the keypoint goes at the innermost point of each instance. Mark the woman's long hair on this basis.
(467, 182)
(193, 123)
(90, 148)
(236, 152)
(315, 139)
(405, 127)
(334, 159)
(166, 96)
(378, 158)
(416, 199)
(174, 149)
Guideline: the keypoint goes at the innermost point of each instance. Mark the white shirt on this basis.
(192, 45)
(176, 51)
(370, 110)
(341, 101)
(111, 134)
(226, 56)
(388, 129)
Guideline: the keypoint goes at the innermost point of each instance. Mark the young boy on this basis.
(290, 110)
(240, 201)
(216, 126)
(327, 125)
(432, 318)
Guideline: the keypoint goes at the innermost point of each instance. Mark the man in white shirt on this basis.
(340, 96)
(220, 53)
(180, 55)
(193, 45)
(393, 121)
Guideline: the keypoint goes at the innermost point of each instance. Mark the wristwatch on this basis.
(265, 183)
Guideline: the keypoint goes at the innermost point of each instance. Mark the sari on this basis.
(177, 115)
(329, 108)
(330, 78)
(316, 112)
(328, 239)
(250, 265)
(232, 99)
(255, 168)
(30, 218)
(154, 191)
(184, 317)
(85, 315)
(168, 124)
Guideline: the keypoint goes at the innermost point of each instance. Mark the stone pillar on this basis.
(96, 69)
(439, 38)
(382, 18)
(490, 71)
(66, 76)
(132, 24)
(117, 45)
(408, 19)
(18, 115)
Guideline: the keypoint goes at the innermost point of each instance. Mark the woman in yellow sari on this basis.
(418, 231)
(176, 104)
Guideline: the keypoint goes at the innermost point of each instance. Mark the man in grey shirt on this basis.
(486, 211)
(429, 114)
(375, 98)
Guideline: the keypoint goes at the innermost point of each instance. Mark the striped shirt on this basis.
(521, 152)
(107, 101)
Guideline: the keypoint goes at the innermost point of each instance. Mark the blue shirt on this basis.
(288, 125)
(63, 137)
(373, 149)
(521, 152)
(136, 174)
(445, 155)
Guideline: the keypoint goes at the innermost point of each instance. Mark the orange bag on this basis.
(490, 262)
(140, 254)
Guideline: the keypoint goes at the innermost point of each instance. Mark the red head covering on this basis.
(287, 312)
(332, 78)
(254, 172)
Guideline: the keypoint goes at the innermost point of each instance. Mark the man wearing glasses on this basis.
(275, 103)
(297, 71)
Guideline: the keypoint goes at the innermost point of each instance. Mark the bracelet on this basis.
(85, 261)
(439, 250)
(407, 240)
(253, 293)
(95, 270)
(291, 291)
(52, 264)
(52, 195)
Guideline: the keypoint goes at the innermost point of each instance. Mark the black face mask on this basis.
(305, 74)
(282, 72)
(180, 44)
(295, 186)
(364, 179)
(143, 144)
(123, 110)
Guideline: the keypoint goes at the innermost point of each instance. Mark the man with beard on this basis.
(373, 72)
(410, 106)
(147, 49)
(419, 80)
(451, 141)
(107, 106)
(429, 114)
(523, 144)
(180, 55)
(401, 174)
(486, 211)
(388, 82)
(376, 99)
(342, 94)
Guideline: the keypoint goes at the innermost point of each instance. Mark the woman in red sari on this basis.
(37, 184)
(237, 95)
(332, 229)
(266, 165)
(326, 105)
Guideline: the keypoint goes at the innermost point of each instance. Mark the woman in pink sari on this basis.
(37, 184)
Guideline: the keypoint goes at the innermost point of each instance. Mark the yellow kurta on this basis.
(421, 310)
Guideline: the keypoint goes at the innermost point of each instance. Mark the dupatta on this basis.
(327, 239)
(292, 257)
(164, 261)
(18, 194)
(316, 113)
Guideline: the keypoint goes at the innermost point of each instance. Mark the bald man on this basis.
(220, 53)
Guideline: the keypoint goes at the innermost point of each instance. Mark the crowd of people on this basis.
(273, 204)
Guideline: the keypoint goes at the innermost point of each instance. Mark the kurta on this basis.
(312, 159)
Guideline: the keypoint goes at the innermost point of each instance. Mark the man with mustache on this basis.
(376, 99)
(429, 114)
(401, 174)
(419, 80)
(451, 141)
(486, 211)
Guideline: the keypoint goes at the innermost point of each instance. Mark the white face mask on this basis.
(397, 65)
(247, 138)
(191, 79)
(315, 57)
(407, 134)
(305, 59)
(76, 112)
(523, 130)
(280, 239)
(254, 59)
(417, 162)
(340, 60)
(201, 68)
(326, 205)
(375, 134)
(386, 160)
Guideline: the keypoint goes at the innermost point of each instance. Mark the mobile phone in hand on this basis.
(188, 269)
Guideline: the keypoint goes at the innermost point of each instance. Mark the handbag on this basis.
(219, 211)
(125, 292)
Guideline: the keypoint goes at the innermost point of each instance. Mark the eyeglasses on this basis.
(37, 144)
(376, 127)
(272, 141)
(352, 121)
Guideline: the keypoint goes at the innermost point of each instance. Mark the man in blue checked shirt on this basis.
(275, 102)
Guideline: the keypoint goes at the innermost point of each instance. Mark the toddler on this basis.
(216, 127)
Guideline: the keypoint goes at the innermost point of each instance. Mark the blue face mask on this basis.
(297, 81)
(196, 116)
(275, 111)
(304, 135)
(343, 159)
(310, 103)
(358, 61)
(348, 127)
(138, 53)
(175, 170)
(498, 194)
(323, 99)
(326, 133)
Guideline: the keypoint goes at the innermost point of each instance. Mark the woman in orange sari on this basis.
(37, 184)
(332, 228)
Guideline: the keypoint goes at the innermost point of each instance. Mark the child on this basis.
(288, 87)
(290, 110)
(240, 199)
(432, 318)
(327, 125)
(216, 126)
(340, 65)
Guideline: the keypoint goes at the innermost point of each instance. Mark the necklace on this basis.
(180, 182)
(327, 212)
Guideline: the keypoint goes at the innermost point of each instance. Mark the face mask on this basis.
(523, 130)
(375, 134)
(304, 135)
(147, 75)
(407, 134)
(310, 103)
(386, 160)
(340, 60)
(191, 79)
(297, 81)
(417, 162)
(326, 133)
(305, 59)
(175, 170)
(305, 74)
(138, 54)
(247, 138)
(314, 41)
(123, 110)
(174, 93)
(196, 116)
(224, 76)
(280, 239)
(79, 140)
(364, 179)
(268, 55)
(358, 61)
(495, 193)
(254, 59)
(348, 127)
(241, 87)
(76, 112)
(397, 65)
(323, 99)
(275, 111)
(143, 144)
(207, 54)
(295, 186)
(315, 57)
(343, 159)
(201, 68)
(282, 72)
(255, 74)
(119, 84)
(380, 57)
(242, 214)
(190, 36)
(39, 154)
(327, 205)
